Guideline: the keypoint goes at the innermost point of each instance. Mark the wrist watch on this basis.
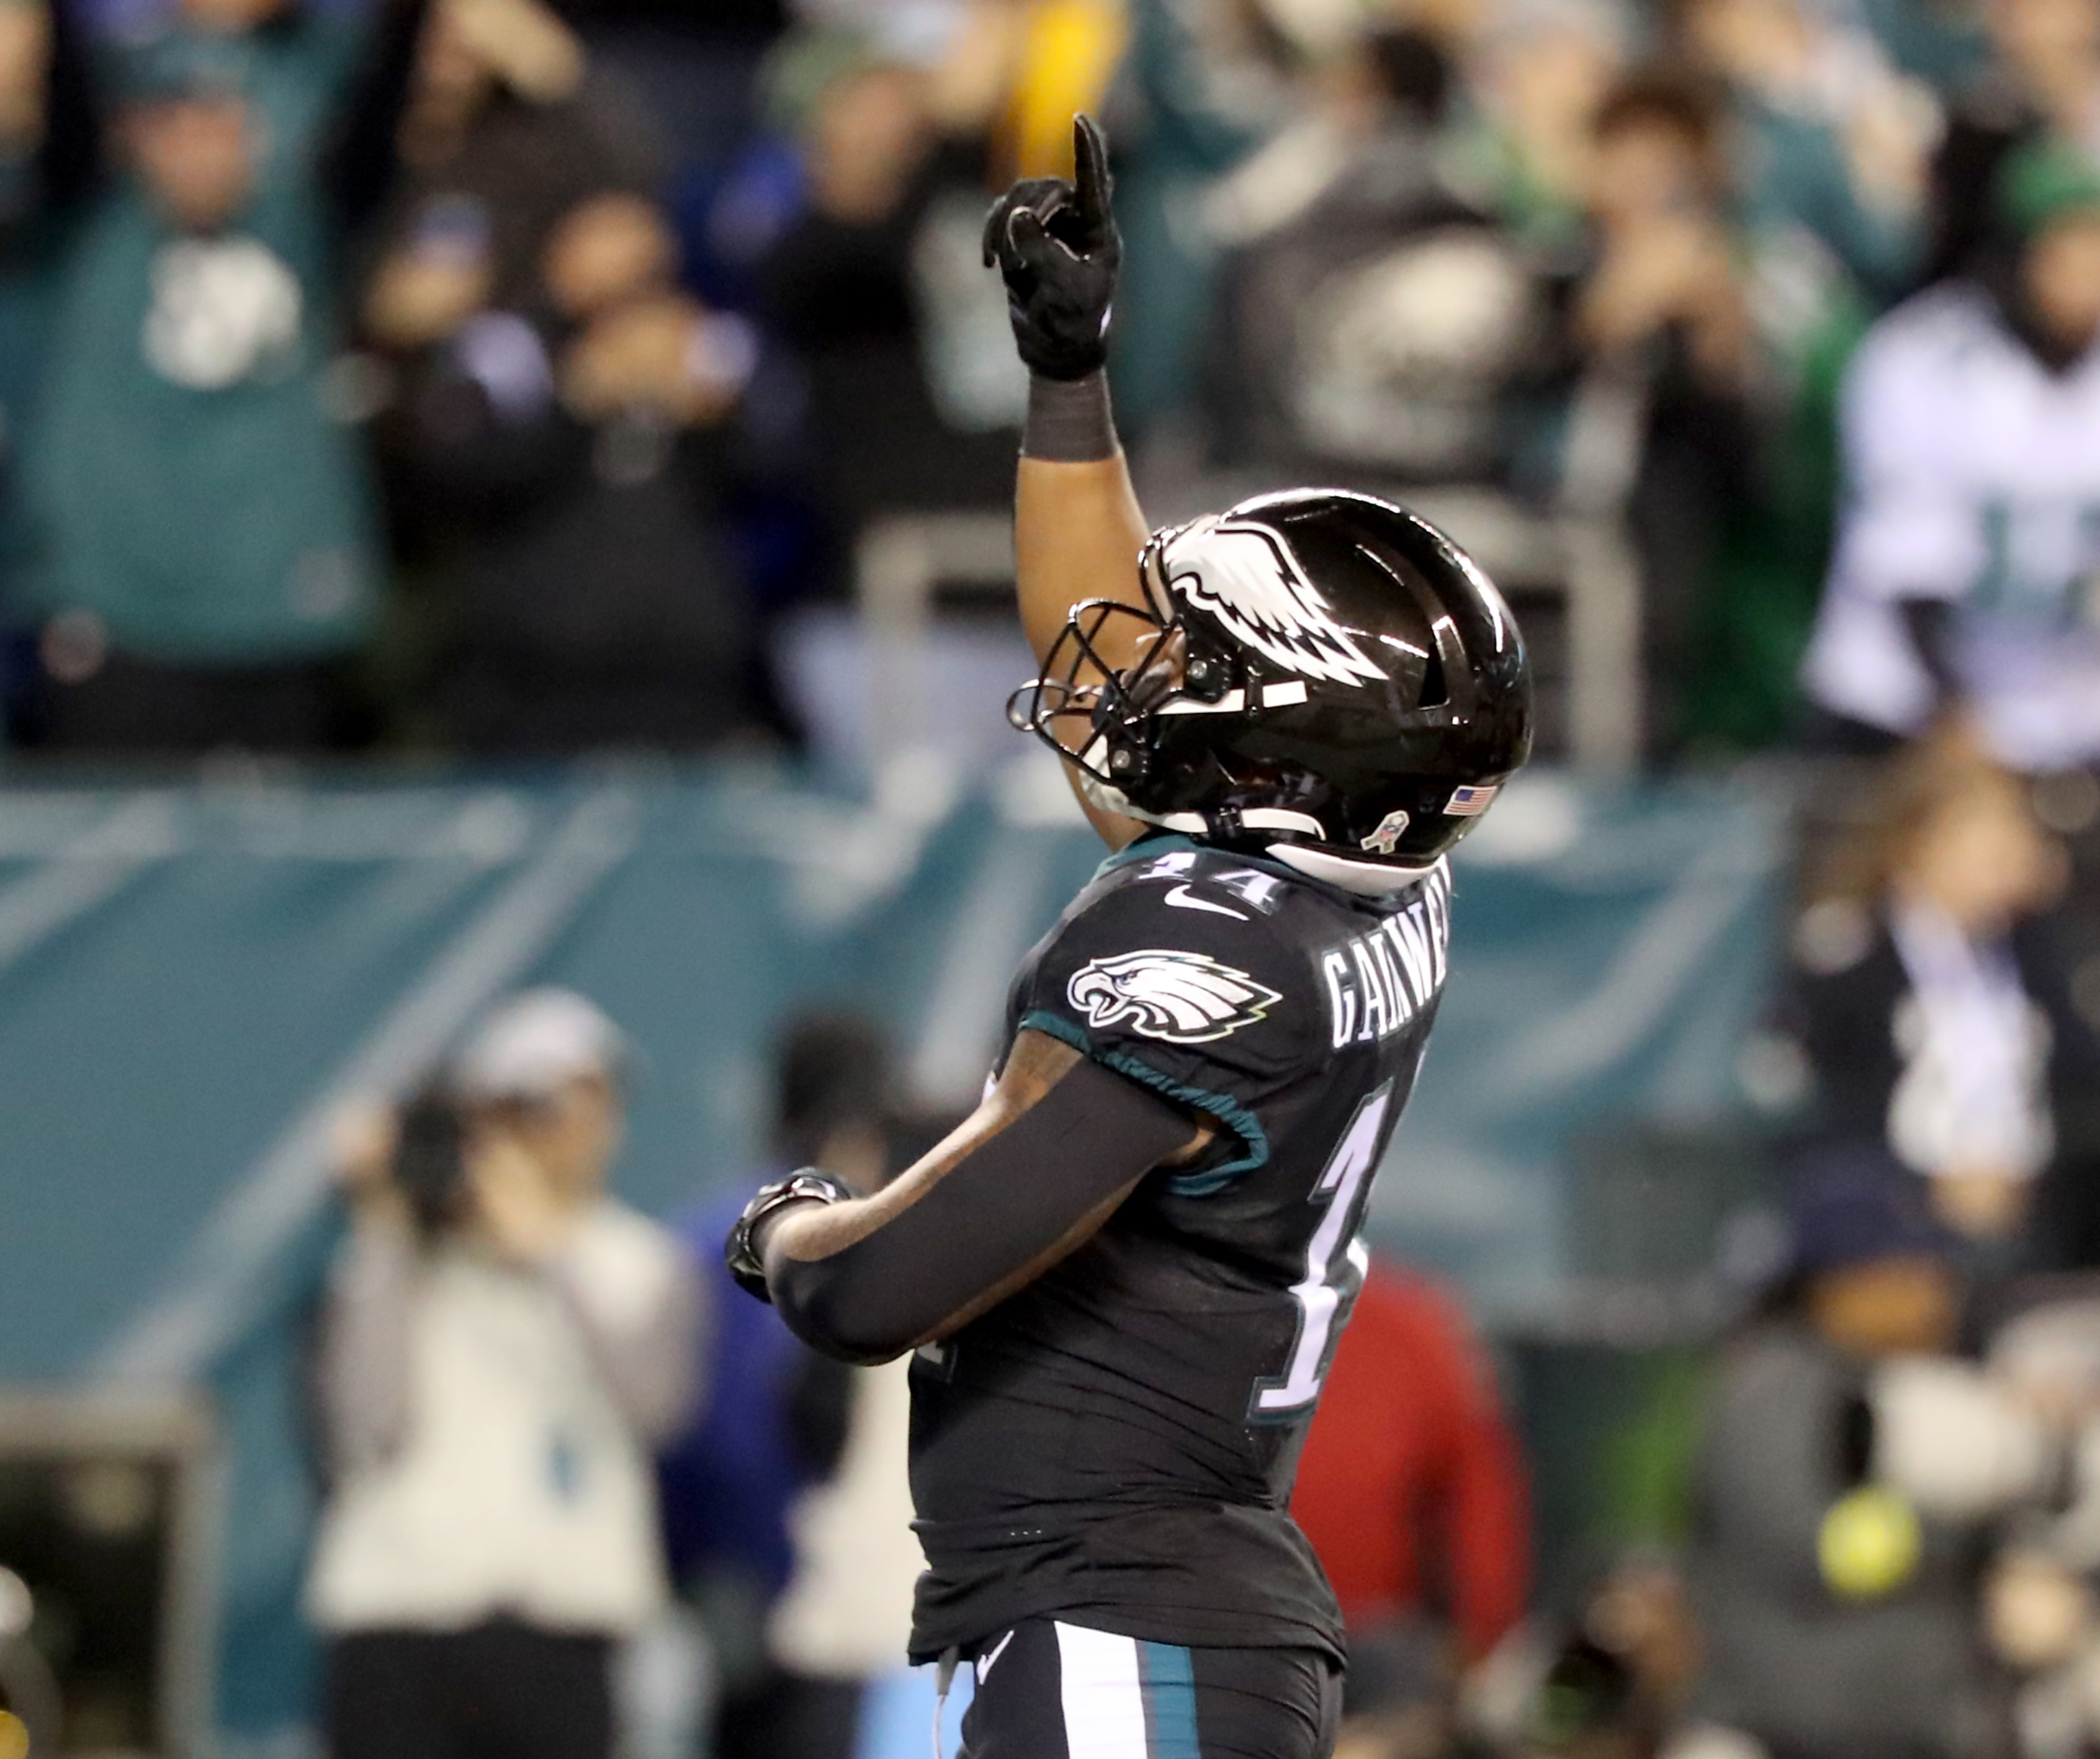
(807, 1186)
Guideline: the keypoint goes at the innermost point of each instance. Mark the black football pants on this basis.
(1046, 1690)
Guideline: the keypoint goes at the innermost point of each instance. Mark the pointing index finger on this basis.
(1090, 170)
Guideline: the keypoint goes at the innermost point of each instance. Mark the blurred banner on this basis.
(192, 977)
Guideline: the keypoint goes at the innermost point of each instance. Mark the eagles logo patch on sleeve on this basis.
(1185, 998)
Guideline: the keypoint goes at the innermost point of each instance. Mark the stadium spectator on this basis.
(559, 431)
(2048, 57)
(501, 1347)
(1199, 88)
(1541, 71)
(1972, 451)
(786, 1513)
(32, 62)
(1920, 994)
(1411, 1490)
(203, 549)
(25, 67)
(840, 284)
(1731, 484)
(1050, 58)
(2041, 1620)
(1369, 322)
(2041, 81)
(1830, 143)
(1021, 67)
(1661, 307)
(1838, 1619)
(48, 157)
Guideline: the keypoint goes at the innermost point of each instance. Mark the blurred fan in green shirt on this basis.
(202, 540)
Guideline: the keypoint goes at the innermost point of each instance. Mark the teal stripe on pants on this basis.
(1167, 1674)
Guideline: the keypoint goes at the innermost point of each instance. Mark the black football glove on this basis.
(1058, 246)
(740, 1250)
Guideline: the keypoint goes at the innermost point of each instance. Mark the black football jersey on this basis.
(1116, 1442)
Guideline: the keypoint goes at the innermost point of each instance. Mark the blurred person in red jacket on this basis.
(1413, 1493)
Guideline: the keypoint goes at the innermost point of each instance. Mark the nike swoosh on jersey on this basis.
(991, 1655)
(1182, 899)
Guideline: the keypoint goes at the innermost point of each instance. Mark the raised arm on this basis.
(1078, 528)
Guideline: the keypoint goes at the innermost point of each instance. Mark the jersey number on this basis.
(1263, 891)
(1333, 1248)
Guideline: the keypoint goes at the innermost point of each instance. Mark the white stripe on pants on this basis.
(1103, 1697)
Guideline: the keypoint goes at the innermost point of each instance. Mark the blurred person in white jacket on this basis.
(1964, 569)
(501, 1345)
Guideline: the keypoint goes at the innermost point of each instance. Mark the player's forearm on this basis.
(1078, 528)
(1015, 1201)
(1035, 1066)
(927, 1280)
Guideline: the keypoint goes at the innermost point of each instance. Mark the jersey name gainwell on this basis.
(1379, 982)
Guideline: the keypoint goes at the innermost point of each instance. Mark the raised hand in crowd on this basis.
(1670, 269)
(471, 50)
(518, 1207)
(643, 347)
(362, 1140)
(1666, 261)
(665, 355)
(25, 41)
(433, 282)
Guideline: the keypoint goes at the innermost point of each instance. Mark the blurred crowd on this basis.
(1873, 1506)
(498, 378)
(502, 376)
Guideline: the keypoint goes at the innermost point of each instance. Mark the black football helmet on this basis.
(1321, 674)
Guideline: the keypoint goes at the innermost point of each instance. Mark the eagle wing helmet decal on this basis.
(1244, 575)
(1185, 998)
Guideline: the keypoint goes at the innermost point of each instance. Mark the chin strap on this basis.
(1366, 879)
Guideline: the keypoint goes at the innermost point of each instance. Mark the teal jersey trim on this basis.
(1166, 1680)
(1223, 1107)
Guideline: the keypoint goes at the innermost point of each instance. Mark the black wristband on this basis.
(1069, 421)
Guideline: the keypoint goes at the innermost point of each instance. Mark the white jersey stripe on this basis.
(1103, 1692)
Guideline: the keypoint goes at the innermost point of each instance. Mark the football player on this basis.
(1125, 1274)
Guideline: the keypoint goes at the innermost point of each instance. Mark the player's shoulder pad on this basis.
(1187, 946)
